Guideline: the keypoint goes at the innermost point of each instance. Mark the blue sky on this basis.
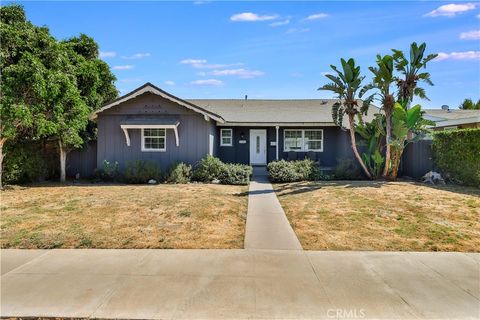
(269, 49)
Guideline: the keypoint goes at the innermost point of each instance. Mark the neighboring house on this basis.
(450, 119)
(151, 124)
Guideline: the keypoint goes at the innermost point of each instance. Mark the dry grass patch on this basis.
(393, 216)
(123, 216)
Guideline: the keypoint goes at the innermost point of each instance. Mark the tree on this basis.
(49, 87)
(409, 70)
(346, 84)
(383, 79)
(468, 104)
(21, 83)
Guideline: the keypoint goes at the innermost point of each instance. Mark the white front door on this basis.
(258, 146)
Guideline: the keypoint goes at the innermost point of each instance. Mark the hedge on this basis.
(456, 154)
(291, 171)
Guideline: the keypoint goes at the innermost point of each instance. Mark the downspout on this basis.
(276, 142)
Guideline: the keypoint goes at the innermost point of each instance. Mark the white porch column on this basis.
(276, 142)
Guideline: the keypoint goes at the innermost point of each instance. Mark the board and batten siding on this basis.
(194, 133)
(336, 145)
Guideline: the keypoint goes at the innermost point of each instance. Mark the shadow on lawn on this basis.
(303, 187)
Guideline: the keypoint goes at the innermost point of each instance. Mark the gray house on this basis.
(151, 124)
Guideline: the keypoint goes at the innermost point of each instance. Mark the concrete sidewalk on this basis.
(267, 226)
(239, 284)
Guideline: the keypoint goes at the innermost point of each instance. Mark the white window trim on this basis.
(231, 138)
(154, 150)
(285, 149)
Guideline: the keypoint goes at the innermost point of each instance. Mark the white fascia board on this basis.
(274, 124)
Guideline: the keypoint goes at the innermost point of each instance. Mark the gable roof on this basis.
(318, 111)
(452, 117)
(148, 87)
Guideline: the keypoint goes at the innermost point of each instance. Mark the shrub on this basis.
(307, 169)
(26, 162)
(282, 171)
(290, 171)
(207, 169)
(109, 172)
(179, 173)
(456, 153)
(235, 174)
(347, 169)
(140, 171)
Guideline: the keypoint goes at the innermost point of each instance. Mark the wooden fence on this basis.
(417, 159)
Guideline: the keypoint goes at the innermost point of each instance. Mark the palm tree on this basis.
(409, 69)
(382, 81)
(345, 84)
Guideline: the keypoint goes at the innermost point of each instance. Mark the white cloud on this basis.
(208, 82)
(107, 54)
(451, 10)
(202, 64)
(124, 67)
(242, 73)
(316, 16)
(466, 55)
(193, 61)
(297, 30)
(478, 16)
(138, 56)
(249, 17)
(470, 35)
(169, 83)
(280, 23)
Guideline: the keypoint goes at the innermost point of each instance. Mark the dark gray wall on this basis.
(336, 144)
(193, 132)
(82, 161)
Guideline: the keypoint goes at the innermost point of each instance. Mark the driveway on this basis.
(209, 284)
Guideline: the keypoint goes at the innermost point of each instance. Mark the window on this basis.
(153, 139)
(293, 140)
(303, 140)
(226, 137)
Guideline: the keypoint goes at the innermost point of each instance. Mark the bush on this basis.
(109, 172)
(207, 169)
(290, 171)
(456, 153)
(141, 171)
(26, 162)
(347, 169)
(235, 174)
(179, 173)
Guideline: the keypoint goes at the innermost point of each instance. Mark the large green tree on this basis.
(49, 88)
(468, 104)
(346, 84)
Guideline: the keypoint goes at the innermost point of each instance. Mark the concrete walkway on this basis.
(239, 284)
(267, 226)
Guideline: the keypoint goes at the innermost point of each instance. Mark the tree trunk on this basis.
(388, 137)
(63, 160)
(354, 145)
(2, 143)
